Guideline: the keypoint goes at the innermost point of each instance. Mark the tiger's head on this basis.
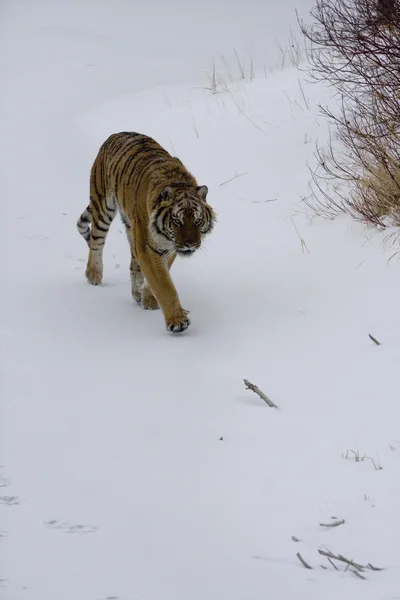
(181, 218)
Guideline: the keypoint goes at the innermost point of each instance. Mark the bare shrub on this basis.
(355, 48)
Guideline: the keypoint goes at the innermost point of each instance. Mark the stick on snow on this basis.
(334, 524)
(303, 562)
(232, 178)
(256, 390)
(349, 563)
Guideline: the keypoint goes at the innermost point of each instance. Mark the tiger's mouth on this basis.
(185, 251)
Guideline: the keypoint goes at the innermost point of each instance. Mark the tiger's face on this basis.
(182, 218)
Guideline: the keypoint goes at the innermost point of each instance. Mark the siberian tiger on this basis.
(164, 211)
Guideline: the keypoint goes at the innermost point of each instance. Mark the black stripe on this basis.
(164, 218)
(102, 173)
(157, 216)
(117, 144)
(94, 181)
(159, 252)
(101, 219)
(143, 170)
(120, 145)
(112, 209)
(127, 163)
(97, 207)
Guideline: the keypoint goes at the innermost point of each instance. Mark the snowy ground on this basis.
(134, 464)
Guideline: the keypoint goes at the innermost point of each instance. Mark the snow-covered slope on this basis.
(134, 464)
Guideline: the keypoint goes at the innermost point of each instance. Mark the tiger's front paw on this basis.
(94, 276)
(179, 322)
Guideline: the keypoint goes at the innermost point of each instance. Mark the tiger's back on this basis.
(131, 166)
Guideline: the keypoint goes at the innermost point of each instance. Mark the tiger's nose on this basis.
(191, 246)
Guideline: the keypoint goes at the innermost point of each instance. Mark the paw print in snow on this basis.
(9, 500)
(67, 527)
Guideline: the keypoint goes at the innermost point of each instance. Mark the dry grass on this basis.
(355, 455)
(232, 69)
(226, 72)
(378, 191)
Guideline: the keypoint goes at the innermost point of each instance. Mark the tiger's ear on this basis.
(202, 191)
(167, 193)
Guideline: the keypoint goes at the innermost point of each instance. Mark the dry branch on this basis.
(232, 178)
(334, 524)
(350, 563)
(303, 562)
(333, 564)
(264, 201)
(256, 390)
(341, 558)
(371, 337)
(375, 568)
(357, 573)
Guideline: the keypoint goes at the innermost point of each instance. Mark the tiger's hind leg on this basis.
(137, 279)
(141, 291)
(148, 301)
(83, 224)
(103, 212)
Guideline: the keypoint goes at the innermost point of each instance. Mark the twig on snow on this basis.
(232, 178)
(264, 201)
(371, 337)
(375, 568)
(256, 390)
(306, 102)
(355, 572)
(349, 563)
(303, 562)
(334, 524)
(295, 539)
(333, 564)
(302, 242)
(341, 558)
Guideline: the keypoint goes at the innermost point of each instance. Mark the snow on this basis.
(134, 464)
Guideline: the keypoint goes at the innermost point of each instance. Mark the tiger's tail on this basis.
(83, 224)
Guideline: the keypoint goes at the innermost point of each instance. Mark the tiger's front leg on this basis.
(159, 280)
(147, 298)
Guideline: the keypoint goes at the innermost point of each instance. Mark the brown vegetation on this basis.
(355, 48)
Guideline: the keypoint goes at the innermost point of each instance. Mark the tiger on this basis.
(163, 209)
